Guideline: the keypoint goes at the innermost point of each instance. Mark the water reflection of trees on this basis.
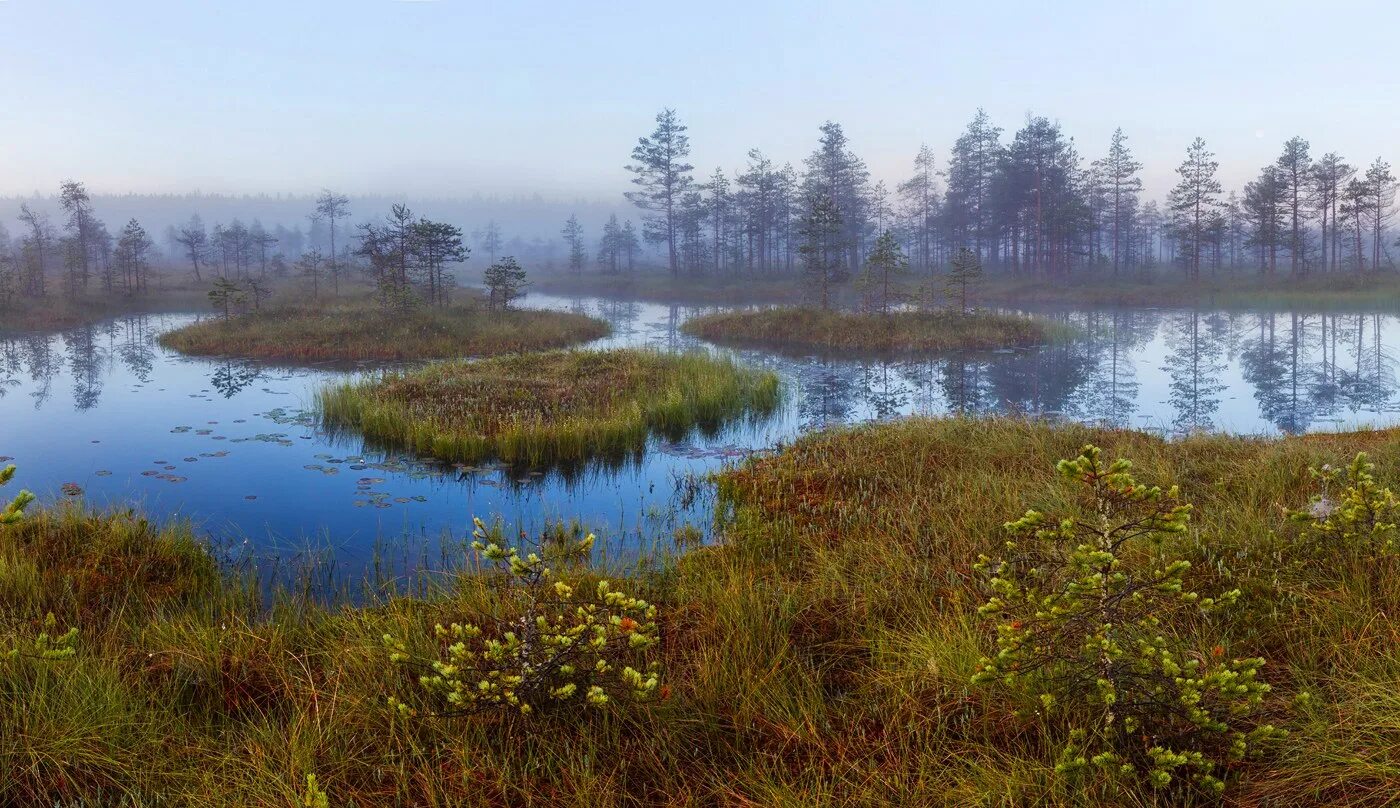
(85, 360)
(1195, 365)
(231, 377)
(1111, 340)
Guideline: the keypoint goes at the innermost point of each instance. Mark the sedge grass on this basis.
(812, 329)
(819, 655)
(563, 407)
(362, 330)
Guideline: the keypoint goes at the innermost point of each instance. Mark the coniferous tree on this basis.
(835, 171)
(1330, 176)
(505, 282)
(972, 169)
(331, 206)
(132, 253)
(1119, 173)
(74, 199)
(1380, 187)
(573, 236)
(964, 278)
(822, 250)
(1192, 201)
(1294, 170)
(920, 196)
(195, 240)
(1264, 209)
(885, 267)
(664, 178)
(437, 246)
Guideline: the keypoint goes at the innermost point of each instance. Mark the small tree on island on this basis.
(505, 282)
(226, 296)
(884, 268)
(964, 278)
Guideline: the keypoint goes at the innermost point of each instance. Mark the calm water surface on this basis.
(105, 411)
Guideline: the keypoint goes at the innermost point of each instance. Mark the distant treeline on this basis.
(1030, 205)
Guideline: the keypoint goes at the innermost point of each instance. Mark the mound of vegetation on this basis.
(551, 408)
(871, 616)
(814, 329)
(364, 331)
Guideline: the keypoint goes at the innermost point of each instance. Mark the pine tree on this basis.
(664, 178)
(573, 236)
(505, 282)
(1295, 174)
(884, 268)
(1192, 201)
(822, 253)
(11, 512)
(964, 278)
(1122, 184)
(1380, 187)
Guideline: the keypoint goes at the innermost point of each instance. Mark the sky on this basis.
(520, 97)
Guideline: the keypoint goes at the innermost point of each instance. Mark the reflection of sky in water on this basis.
(229, 444)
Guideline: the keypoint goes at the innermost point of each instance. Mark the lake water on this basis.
(105, 411)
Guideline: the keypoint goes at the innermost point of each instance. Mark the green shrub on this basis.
(11, 513)
(1360, 519)
(551, 643)
(1089, 608)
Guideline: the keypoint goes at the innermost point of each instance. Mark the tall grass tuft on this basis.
(552, 408)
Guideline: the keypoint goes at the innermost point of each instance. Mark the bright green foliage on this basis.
(1361, 519)
(315, 797)
(48, 645)
(11, 513)
(551, 643)
(1088, 606)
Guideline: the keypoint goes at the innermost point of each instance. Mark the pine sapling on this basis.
(1088, 609)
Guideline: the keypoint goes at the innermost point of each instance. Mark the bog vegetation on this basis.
(563, 407)
(809, 329)
(362, 330)
(1206, 620)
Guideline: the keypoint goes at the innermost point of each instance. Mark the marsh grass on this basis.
(821, 654)
(361, 330)
(900, 332)
(558, 408)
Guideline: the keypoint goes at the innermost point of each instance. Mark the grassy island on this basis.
(812, 329)
(560, 407)
(837, 625)
(364, 331)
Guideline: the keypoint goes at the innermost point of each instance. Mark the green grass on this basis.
(360, 330)
(811, 329)
(545, 409)
(819, 655)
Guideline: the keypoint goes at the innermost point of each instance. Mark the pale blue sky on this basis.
(450, 97)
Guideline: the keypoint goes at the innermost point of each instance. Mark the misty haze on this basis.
(432, 403)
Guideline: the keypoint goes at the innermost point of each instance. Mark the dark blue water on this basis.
(232, 445)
